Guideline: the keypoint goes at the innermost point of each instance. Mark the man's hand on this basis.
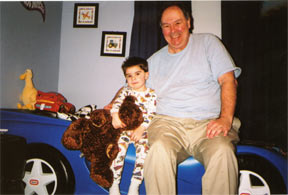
(137, 134)
(228, 85)
(215, 127)
(116, 122)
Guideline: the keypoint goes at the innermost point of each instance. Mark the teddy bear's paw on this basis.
(130, 113)
(104, 181)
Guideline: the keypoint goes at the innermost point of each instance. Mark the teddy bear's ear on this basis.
(112, 150)
(130, 113)
(129, 99)
(72, 137)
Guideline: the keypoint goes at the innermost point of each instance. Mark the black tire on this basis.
(260, 171)
(51, 162)
(12, 152)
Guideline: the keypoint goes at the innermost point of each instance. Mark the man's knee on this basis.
(226, 146)
(217, 150)
(225, 150)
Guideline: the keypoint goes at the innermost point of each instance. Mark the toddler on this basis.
(136, 73)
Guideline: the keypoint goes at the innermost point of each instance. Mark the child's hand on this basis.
(116, 122)
(137, 134)
(108, 106)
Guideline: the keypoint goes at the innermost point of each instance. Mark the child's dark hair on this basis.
(135, 61)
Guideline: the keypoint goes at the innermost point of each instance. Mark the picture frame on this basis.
(113, 43)
(86, 15)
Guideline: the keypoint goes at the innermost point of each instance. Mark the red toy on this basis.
(54, 102)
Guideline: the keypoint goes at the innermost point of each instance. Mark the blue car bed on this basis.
(52, 169)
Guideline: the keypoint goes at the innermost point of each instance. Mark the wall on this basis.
(207, 17)
(28, 42)
(86, 77)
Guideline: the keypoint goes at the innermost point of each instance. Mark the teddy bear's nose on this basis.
(99, 123)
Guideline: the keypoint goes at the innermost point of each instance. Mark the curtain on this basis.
(146, 35)
(255, 33)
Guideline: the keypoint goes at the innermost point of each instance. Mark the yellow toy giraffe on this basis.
(29, 93)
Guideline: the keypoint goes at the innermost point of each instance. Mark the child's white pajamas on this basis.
(147, 103)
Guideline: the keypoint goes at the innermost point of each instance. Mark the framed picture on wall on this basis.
(113, 44)
(85, 15)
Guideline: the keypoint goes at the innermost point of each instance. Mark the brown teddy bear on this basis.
(97, 139)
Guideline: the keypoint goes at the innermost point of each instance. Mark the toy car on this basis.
(112, 44)
(52, 169)
(54, 102)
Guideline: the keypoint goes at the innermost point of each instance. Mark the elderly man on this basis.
(194, 79)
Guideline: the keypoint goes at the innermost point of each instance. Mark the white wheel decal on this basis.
(37, 180)
(247, 188)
